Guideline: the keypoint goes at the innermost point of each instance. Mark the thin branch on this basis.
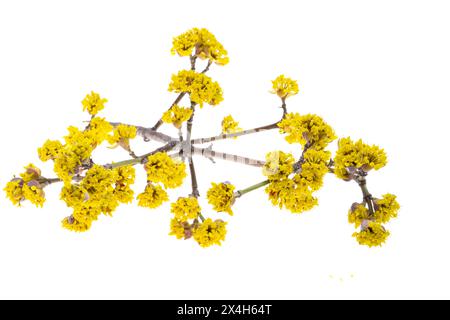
(240, 193)
(207, 67)
(142, 159)
(367, 197)
(195, 192)
(209, 153)
(283, 106)
(176, 101)
(237, 134)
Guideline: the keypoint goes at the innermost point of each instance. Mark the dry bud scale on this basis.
(91, 189)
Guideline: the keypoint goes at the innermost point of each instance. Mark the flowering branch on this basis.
(91, 189)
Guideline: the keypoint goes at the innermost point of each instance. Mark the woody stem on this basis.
(240, 193)
(237, 134)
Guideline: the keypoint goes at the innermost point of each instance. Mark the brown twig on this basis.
(237, 134)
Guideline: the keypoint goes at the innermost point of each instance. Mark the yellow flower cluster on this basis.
(77, 150)
(373, 234)
(71, 224)
(176, 115)
(93, 103)
(153, 196)
(296, 193)
(100, 191)
(27, 187)
(125, 178)
(122, 135)
(210, 232)
(181, 230)
(313, 169)
(185, 209)
(221, 197)
(307, 129)
(205, 44)
(386, 208)
(162, 168)
(357, 214)
(200, 87)
(205, 233)
(284, 87)
(99, 129)
(50, 150)
(357, 155)
(229, 125)
(279, 165)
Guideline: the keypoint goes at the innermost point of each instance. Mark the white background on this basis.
(376, 70)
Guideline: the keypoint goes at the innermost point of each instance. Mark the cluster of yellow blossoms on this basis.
(229, 125)
(294, 190)
(93, 103)
(201, 88)
(27, 187)
(100, 191)
(186, 225)
(357, 155)
(284, 87)
(202, 44)
(309, 129)
(221, 197)
(372, 231)
(161, 169)
(91, 190)
(176, 115)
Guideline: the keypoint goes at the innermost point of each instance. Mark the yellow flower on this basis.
(99, 129)
(177, 115)
(26, 188)
(87, 212)
(122, 134)
(371, 235)
(99, 182)
(65, 165)
(205, 44)
(210, 232)
(73, 195)
(31, 173)
(386, 208)
(162, 168)
(299, 200)
(126, 177)
(284, 87)
(33, 192)
(229, 125)
(14, 191)
(70, 223)
(279, 165)
(279, 191)
(92, 103)
(200, 87)
(181, 230)
(307, 129)
(357, 155)
(357, 214)
(49, 150)
(221, 197)
(313, 169)
(186, 208)
(152, 197)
